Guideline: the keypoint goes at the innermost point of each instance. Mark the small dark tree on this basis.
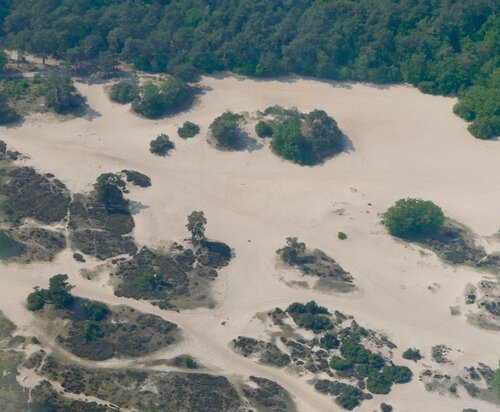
(410, 217)
(263, 129)
(36, 299)
(7, 113)
(161, 145)
(226, 130)
(188, 129)
(384, 407)
(59, 291)
(196, 225)
(412, 354)
(3, 60)
(61, 95)
(291, 252)
(109, 191)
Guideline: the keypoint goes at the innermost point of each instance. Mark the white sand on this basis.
(404, 144)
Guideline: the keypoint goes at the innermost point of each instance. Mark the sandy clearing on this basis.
(404, 144)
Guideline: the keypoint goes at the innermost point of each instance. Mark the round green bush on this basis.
(188, 129)
(410, 217)
(263, 129)
(341, 235)
(340, 364)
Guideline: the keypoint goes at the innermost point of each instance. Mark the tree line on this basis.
(442, 47)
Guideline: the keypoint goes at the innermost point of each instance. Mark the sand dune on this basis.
(404, 143)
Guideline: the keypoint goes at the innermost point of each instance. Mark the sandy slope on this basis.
(404, 143)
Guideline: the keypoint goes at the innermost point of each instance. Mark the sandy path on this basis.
(404, 144)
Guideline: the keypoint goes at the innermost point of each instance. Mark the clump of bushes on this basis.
(226, 130)
(185, 361)
(125, 91)
(310, 316)
(263, 129)
(305, 139)
(340, 364)
(161, 145)
(137, 178)
(155, 100)
(329, 341)
(384, 407)
(411, 217)
(188, 129)
(61, 95)
(58, 294)
(412, 354)
(349, 397)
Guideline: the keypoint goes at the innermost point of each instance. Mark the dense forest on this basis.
(441, 46)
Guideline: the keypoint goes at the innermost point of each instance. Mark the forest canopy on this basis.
(440, 47)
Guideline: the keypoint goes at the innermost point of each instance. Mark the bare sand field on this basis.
(401, 143)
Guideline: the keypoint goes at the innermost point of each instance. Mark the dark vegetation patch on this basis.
(176, 277)
(359, 358)
(480, 382)
(45, 398)
(268, 396)
(94, 331)
(306, 139)
(102, 244)
(316, 263)
(412, 354)
(37, 243)
(188, 129)
(266, 352)
(183, 392)
(9, 248)
(27, 194)
(137, 178)
(125, 91)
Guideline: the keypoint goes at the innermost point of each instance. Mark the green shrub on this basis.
(349, 397)
(412, 354)
(109, 191)
(36, 300)
(384, 407)
(34, 340)
(226, 130)
(352, 350)
(7, 114)
(341, 235)
(188, 129)
(3, 60)
(340, 364)
(365, 370)
(185, 361)
(378, 384)
(329, 341)
(397, 374)
(61, 95)
(292, 250)
(409, 217)
(58, 292)
(124, 92)
(161, 145)
(263, 129)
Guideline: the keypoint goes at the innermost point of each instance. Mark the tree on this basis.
(412, 354)
(196, 225)
(411, 217)
(378, 384)
(188, 129)
(161, 145)
(61, 95)
(36, 299)
(91, 330)
(291, 252)
(340, 364)
(226, 130)
(96, 311)
(7, 113)
(263, 129)
(59, 291)
(109, 191)
(3, 60)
